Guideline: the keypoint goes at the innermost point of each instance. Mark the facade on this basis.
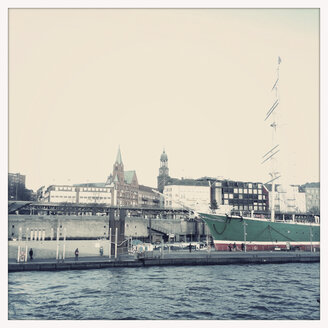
(17, 189)
(163, 176)
(312, 197)
(124, 184)
(187, 193)
(91, 193)
(288, 199)
(242, 196)
(147, 197)
(16, 186)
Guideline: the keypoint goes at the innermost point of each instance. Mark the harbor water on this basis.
(219, 292)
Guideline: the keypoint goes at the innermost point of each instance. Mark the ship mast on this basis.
(270, 155)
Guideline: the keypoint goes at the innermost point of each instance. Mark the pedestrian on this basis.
(190, 248)
(234, 247)
(101, 250)
(31, 254)
(229, 247)
(76, 254)
(242, 247)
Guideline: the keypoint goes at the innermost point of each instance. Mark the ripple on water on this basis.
(168, 293)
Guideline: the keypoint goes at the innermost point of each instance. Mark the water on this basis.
(227, 292)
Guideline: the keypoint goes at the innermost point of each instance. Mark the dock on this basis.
(170, 259)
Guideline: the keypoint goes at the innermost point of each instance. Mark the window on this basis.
(245, 191)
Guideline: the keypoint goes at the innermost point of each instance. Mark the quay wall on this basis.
(96, 227)
(47, 249)
(170, 260)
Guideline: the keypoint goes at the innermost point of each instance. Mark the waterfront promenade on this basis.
(156, 258)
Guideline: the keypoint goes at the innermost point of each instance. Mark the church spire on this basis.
(119, 156)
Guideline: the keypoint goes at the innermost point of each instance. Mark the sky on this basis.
(197, 82)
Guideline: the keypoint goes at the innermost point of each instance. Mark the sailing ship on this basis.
(232, 232)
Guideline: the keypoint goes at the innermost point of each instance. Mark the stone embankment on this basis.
(156, 258)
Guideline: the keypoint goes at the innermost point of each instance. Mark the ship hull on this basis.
(233, 233)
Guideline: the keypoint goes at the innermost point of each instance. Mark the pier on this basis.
(156, 258)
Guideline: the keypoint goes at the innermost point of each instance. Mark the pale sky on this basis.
(197, 82)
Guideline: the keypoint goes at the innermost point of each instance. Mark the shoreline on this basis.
(170, 259)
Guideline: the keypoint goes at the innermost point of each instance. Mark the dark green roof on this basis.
(128, 176)
(187, 182)
(92, 184)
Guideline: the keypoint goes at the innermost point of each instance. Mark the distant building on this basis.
(288, 199)
(242, 196)
(17, 189)
(91, 193)
(124, 183)
(147, 197)
(187, 193)
(163, 176)
(312, 197)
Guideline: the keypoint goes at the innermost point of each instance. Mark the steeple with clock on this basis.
(163, 176)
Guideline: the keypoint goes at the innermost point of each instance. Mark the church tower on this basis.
(118, 168)
(163, 176)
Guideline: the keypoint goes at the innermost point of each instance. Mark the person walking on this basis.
(76, 254)
(190, 248)
(31, 254)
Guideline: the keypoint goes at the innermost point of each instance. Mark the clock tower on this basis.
(163, 175)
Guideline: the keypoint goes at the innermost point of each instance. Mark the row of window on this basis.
(243, 196)
(240, 184)
(249, 207)
(242, 191)
(94, 189)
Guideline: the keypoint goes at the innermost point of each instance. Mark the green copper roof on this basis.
(163, 156)
(128, 176)
(119, 156)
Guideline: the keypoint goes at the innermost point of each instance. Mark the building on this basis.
(163, 176)
(17, 189)
(288, 199)
(187, 193)
(124, 183)
(147, 197)
(91, 193)
(312, 197)
(242, 196)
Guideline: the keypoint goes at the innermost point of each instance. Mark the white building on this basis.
(183, 195)
(288, 199)
(92, 193)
